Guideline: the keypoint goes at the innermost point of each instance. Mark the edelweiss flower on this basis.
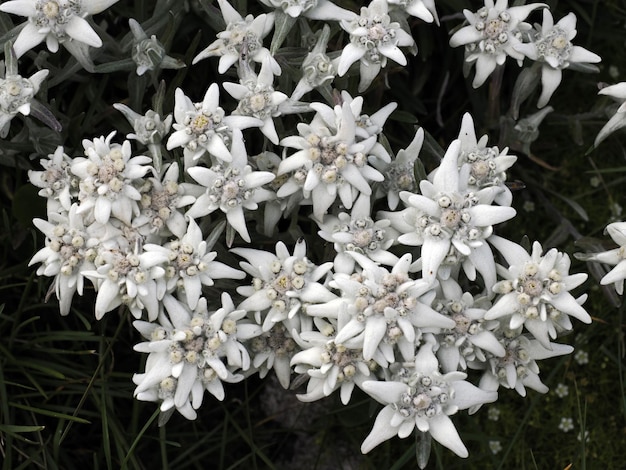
(400, 172)
(484, 166)
(128, 278)
(149, 128)
(329, 365)
(57, 22)
(317, 68)
(107, 179)
(493, 34)
(231, 188)
(274, 349)
(552, 47)
(57, 183)
(16, 92)
(618, 120)
(160, 203)
(149, 131)
(518, 368)
(203, 127)
(383, 309)
(471, 334)
(535, 291)
(257, 98)
(191, 352)
(282, 284)
(615, 257)
(190, 266)
(242, 40)
(69, 252)
(359, 233)
(332, 162)
(450, 222)
(373, 39)
(148, 52)
(421, 397)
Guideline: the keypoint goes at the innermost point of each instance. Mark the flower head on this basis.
(242, 40)
(535, 291)
(204, 127)
(108, 179)
(419, 396)
(552, 47)
(16, 92)
(493, 33)
(374, 38)
(58, 22)
(450, 222)
(190, 352)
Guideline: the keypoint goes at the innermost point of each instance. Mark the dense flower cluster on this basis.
(401, 288)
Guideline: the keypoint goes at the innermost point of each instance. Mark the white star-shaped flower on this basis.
(423, 398)
(552, 47)
(374, 38)
(58, 22)
(492, 35)
(535, 291)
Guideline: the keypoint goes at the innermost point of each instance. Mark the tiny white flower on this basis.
(58, 22)
(493, 413)
(492, 34)
(423, 399)
(566, 424)
(561, 390)
(374, 38)
(551, 46)
(581, 357)
(495, 447)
